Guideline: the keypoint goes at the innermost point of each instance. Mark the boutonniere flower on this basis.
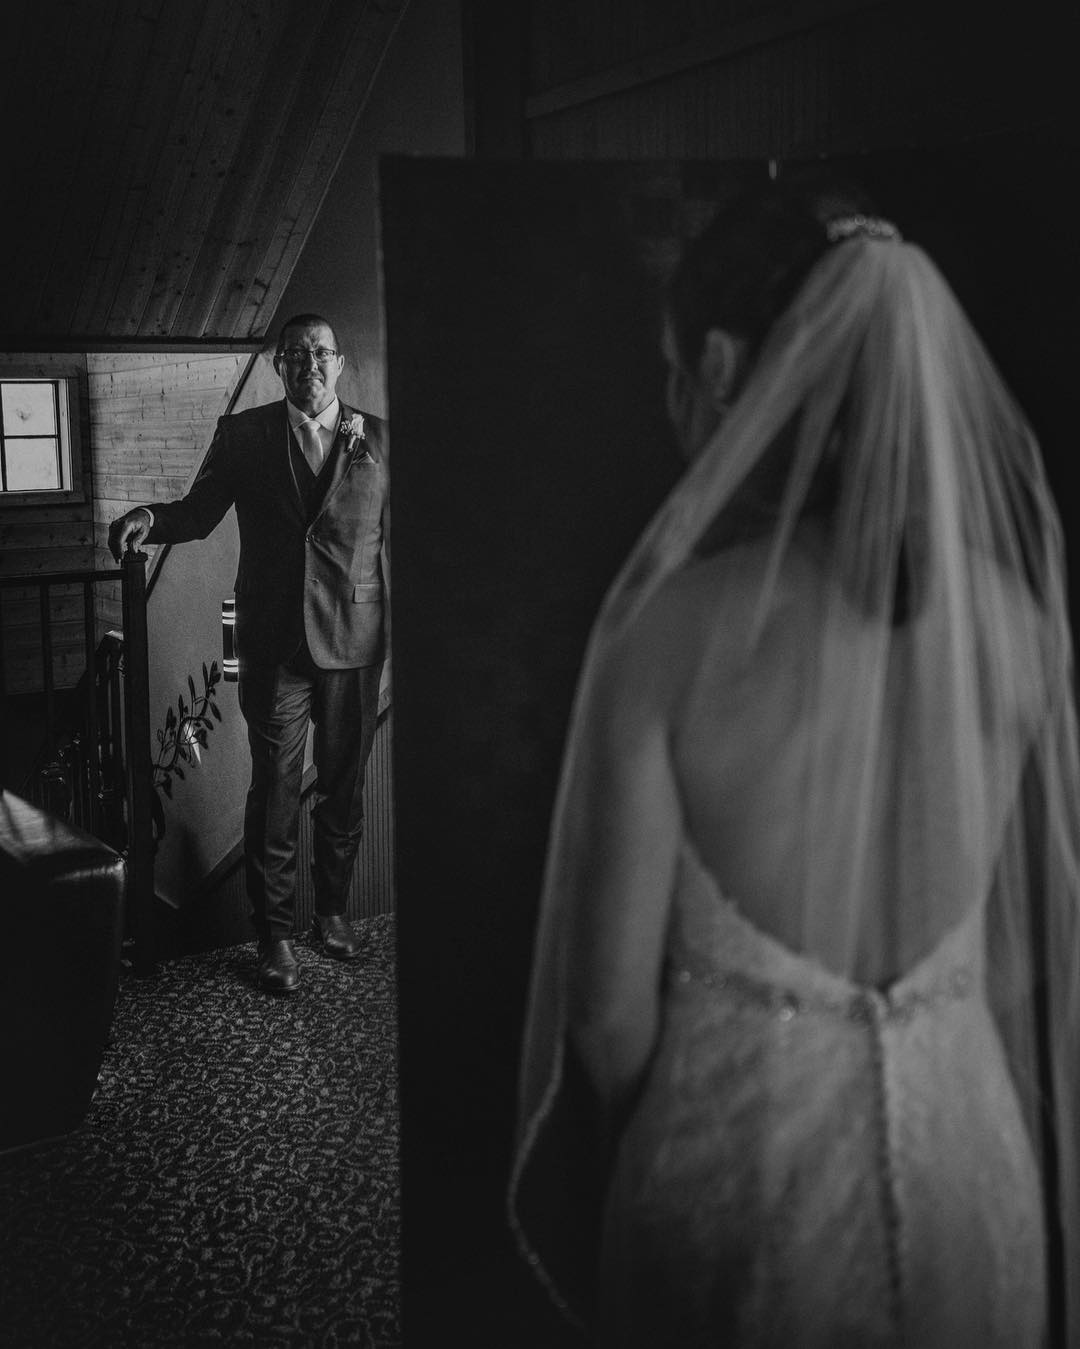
(352, 428)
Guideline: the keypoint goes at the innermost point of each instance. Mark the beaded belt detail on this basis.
(864, 1006)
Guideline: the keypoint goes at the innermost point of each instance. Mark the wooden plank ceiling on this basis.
(166, 159)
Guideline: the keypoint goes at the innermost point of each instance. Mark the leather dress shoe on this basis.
(335, 936)
(278, 970)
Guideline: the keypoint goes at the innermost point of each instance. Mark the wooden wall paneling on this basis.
(371, 889)
(22, 619)
(559, 41)
(38, 561)
(495, 54)
(213, 159)
(22, 610)
(35, 539)
(302, 183)
(223, 263)
(22, 537)
(832, 77)
(25, 671)
(174, 51)
(158, 146)
(754, 105)
(583, 51)
(282, 133)
(77, 200)
(23, 661)
(371, 882)
(220, 915)
(76, 258)
(55, 112)
(171, 367)
(153, 417)
(26, 102)
(218, 46)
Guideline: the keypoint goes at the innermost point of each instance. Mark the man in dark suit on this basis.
(309, 479)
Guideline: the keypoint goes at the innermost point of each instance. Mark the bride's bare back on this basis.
(767, 754)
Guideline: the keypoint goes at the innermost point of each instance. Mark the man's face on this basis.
(308, 374)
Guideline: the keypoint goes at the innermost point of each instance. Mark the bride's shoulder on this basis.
(704, 592)
(644, 658)
(709, 602)
(727, 587)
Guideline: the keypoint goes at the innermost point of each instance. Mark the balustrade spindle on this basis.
(94, 766)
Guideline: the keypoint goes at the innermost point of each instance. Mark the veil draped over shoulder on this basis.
(874, 409)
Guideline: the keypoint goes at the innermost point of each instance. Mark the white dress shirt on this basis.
(326, 421)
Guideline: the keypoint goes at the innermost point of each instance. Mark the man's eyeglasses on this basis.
(300, 355)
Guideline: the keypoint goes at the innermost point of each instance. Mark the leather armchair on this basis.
(62, 909)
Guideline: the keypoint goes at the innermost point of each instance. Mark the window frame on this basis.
(70, 375)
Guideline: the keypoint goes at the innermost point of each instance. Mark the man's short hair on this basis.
(300, 321)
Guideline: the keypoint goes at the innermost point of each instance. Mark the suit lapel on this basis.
(279, 443)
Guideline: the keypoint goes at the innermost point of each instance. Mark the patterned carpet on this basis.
(236, 1179)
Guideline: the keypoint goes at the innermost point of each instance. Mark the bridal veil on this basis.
(872, 404)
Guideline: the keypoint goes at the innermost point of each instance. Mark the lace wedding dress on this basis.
(814, 1164)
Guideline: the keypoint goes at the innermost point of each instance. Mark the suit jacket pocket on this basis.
(370, 592)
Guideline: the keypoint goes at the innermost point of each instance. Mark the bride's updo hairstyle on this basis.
(744, 269)
(741, 275)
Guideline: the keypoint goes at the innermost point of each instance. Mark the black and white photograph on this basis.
(539, 776)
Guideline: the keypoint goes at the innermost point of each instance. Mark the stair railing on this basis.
(94, 768)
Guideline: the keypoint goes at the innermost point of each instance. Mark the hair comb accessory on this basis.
(844, 227)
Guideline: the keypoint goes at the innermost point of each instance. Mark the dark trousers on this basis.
(277, 702)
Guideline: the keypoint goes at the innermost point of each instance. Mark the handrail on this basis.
(140, 773)
(58, 578)
(106, 749)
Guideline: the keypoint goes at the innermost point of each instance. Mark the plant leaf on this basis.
(216, 711)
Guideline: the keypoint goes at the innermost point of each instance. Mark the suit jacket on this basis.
(323, 578)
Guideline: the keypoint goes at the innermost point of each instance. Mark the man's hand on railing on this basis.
(129, 530)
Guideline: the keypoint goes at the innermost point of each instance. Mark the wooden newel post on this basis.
(138, 763)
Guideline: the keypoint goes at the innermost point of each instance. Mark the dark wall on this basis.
(749, 78)
(530, 448)
(991, 214)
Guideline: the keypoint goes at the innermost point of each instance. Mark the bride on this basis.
(801, 1056)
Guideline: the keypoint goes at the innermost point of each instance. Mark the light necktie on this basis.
(312, 444)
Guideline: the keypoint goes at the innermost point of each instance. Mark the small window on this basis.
(35, 436)
(42, 409)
